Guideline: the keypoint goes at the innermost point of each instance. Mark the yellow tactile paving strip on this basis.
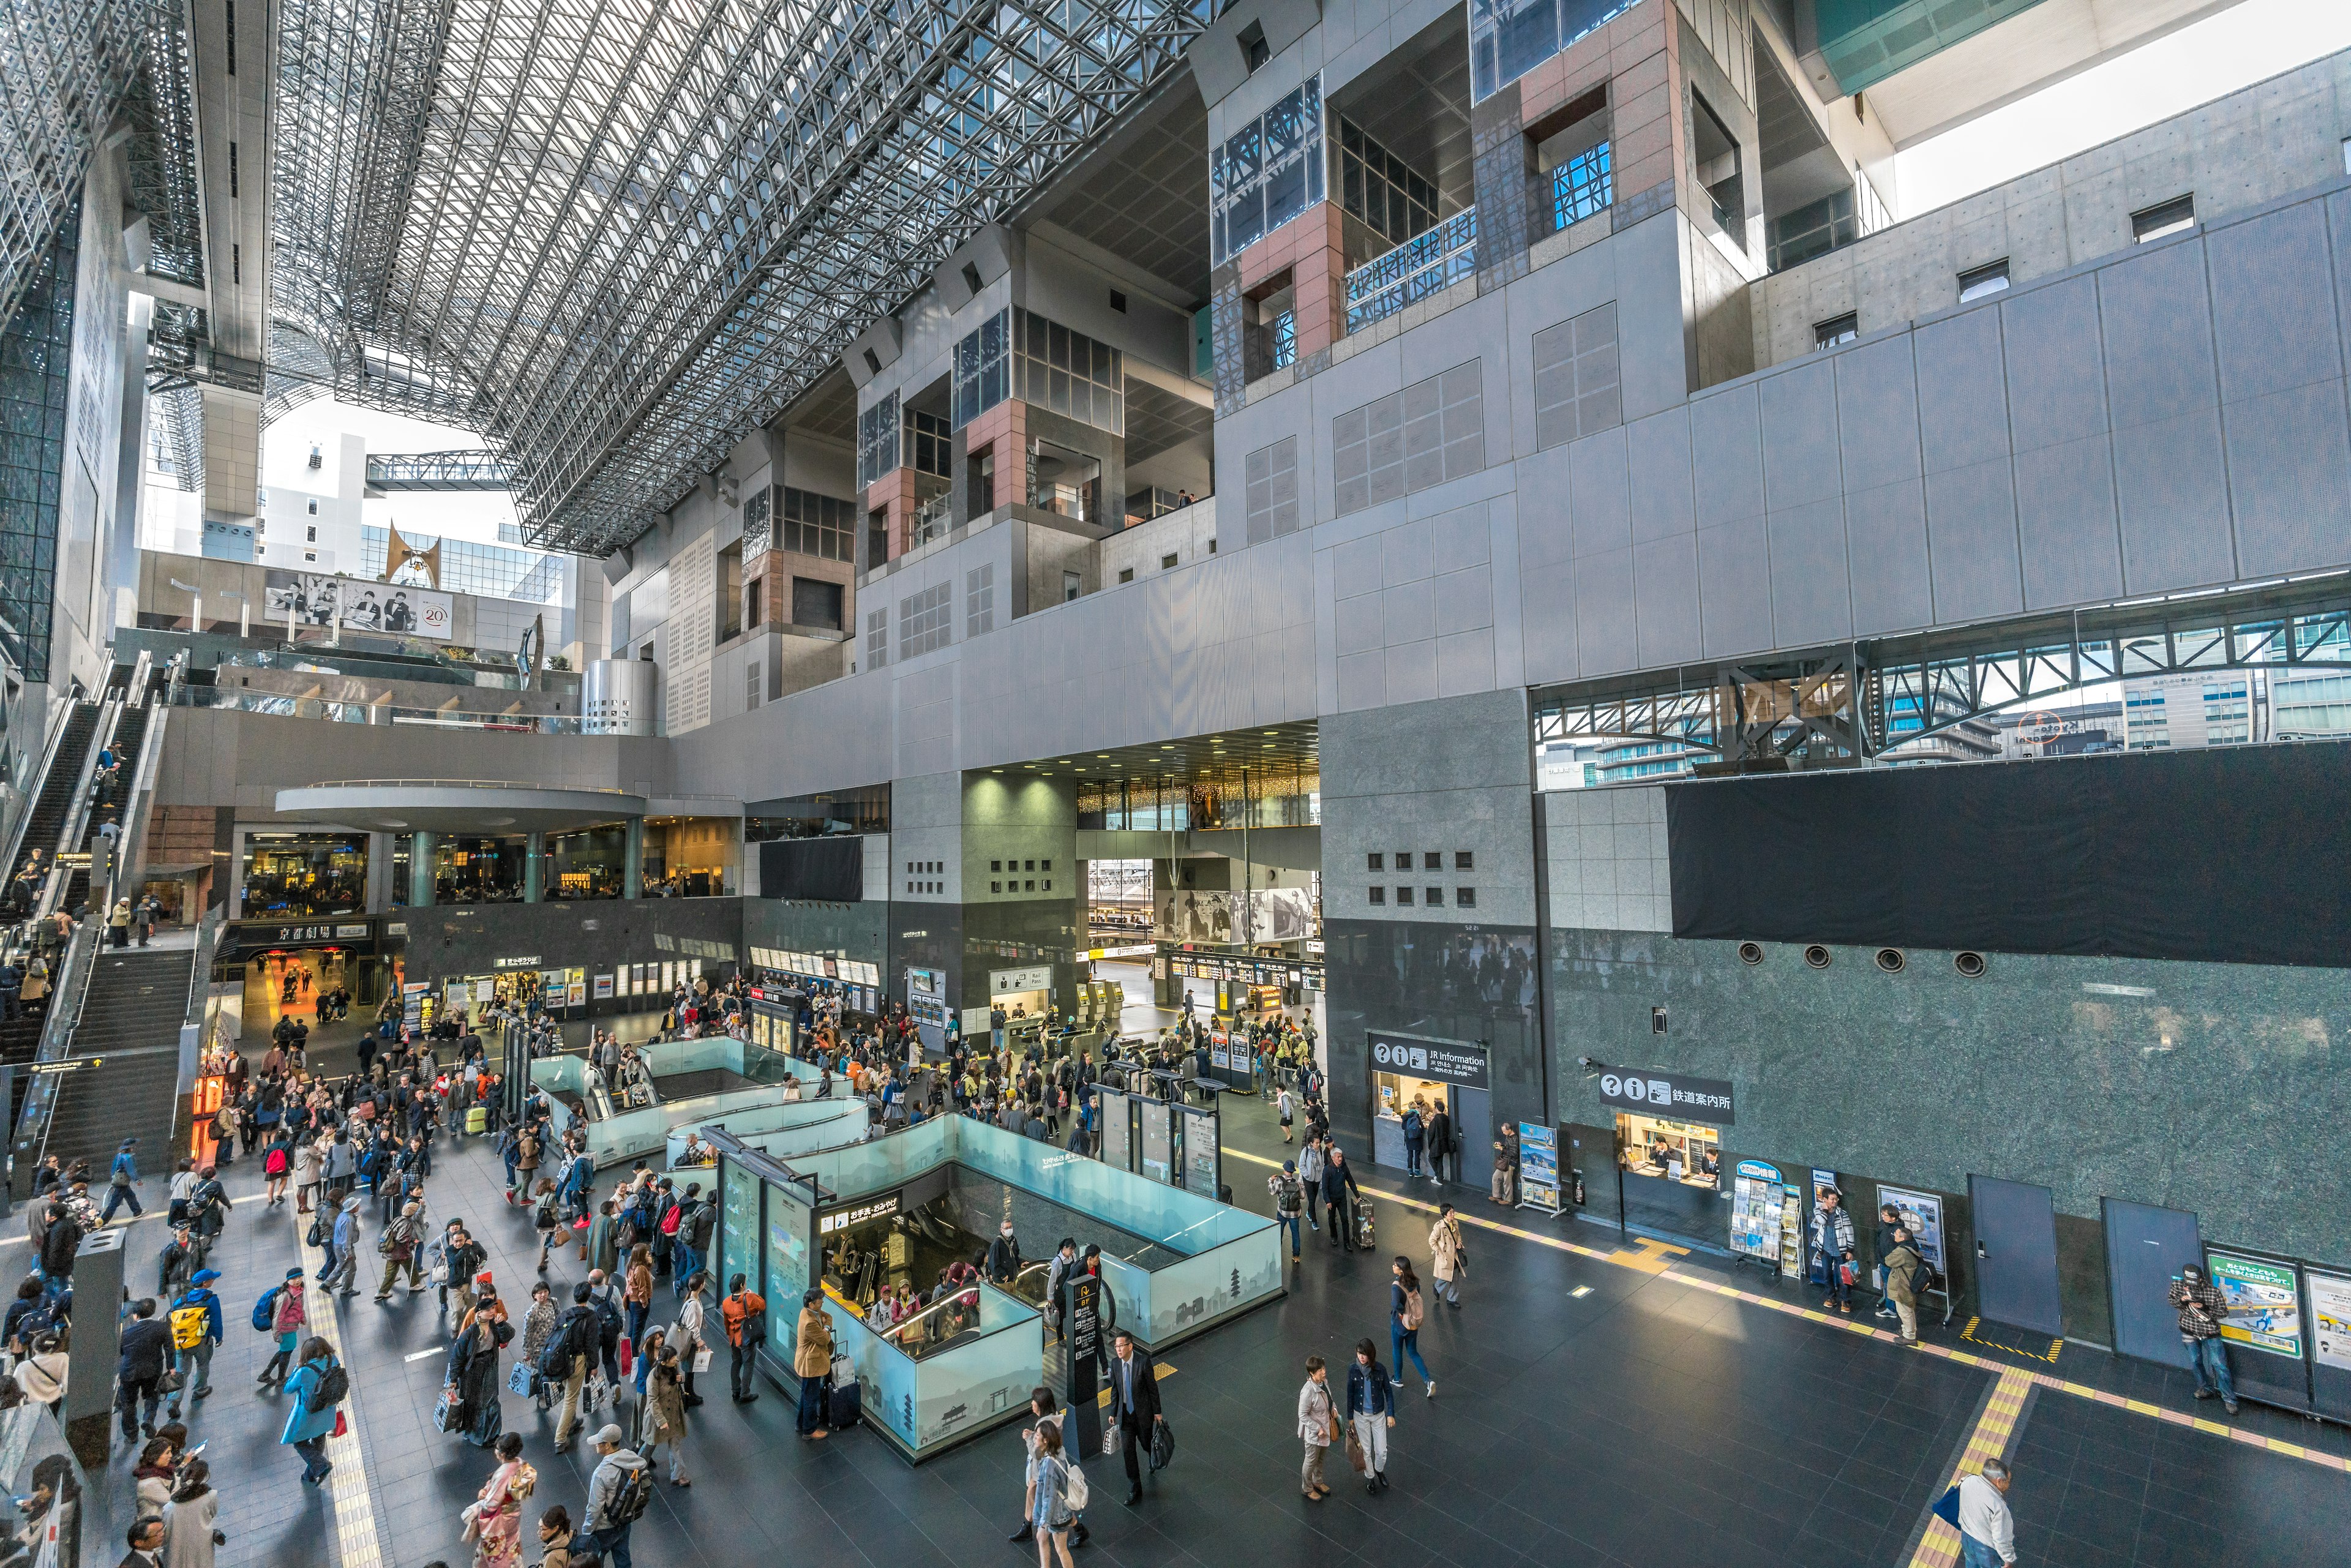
(1940, 1547)
(1652, 1259)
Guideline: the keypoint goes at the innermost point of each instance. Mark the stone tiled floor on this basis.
(1645, 1421)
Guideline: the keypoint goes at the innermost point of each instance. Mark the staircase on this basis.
(55, 799)
(130, 1016)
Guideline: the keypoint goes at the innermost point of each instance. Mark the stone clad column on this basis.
(420, 868)
(534, 868)
(632, 863)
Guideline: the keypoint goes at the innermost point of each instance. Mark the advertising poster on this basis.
(1922, 1216)
(1538, 1167)
(2330, 1318)
(604, 988)
(1755, 1210)
(2264, 1310)
(393, 610)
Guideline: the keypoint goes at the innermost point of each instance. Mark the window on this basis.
(1376, 860)
(1126, 574)
(1269, 495)
(750, 686)
(314, 508)
(982, 369)
(1720, 171)
(1581, 186)
(1072, 585)
(1381, 188)
(1434, 897)
(1431, 861)
(1118, 301)
(1404, 897)
(757, 533)
(1577, 390)
(1379, 895)
(1166, 562)
(1978, 281)
(1283, 330)
(995, 866)
(1464, 898)
(1431, 432)
(1404, 859)
(2164, 218)
(1463, 859)
(816, 603)
(971, 280)
(923, 621)
(1068, 372)
(1836, 329)
(930, 444)
(877, 638)
(313, 532)
(877, 537)
(1267, 172)
(877, 441)
(1255, 50)
(979, 600)
(310, 556)
(816, 525)
(1507, 39)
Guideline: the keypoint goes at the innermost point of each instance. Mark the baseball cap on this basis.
(609, 1433)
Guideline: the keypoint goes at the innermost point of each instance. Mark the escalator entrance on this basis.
(912, 1274)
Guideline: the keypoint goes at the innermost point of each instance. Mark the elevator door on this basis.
(2016, 1254)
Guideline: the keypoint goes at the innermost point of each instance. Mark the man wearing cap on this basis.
(614, 1465)
(121, 1182)
(196, 1360)
(288, 1314)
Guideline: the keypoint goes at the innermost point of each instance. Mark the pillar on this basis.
(420, 868)
(633, 862)
(534, 868)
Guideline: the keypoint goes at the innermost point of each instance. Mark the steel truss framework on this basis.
(1841, 705)
(615, 239)
(64, 66)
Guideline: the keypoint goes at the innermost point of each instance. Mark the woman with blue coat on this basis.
(312, 1420)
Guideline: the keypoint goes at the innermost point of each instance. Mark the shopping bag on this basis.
(1947, 1508)
(342, 1426)
(701, 1358)
(628, 1355)
(522, 1379)
(1110, 1441)
(447, 1415)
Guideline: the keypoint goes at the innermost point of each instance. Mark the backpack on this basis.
(318, 1232)
(334, 1387)
(1412, 1123)
(1412, 1311)
(1075, 1493)
(264, 1311)
(635, 1496)
(189, 1326)
(274, 1162)
(669, 1222)
(555, 1357)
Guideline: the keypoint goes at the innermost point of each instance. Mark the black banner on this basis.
(830, 870)
(2231, 854)
(1674, 1095)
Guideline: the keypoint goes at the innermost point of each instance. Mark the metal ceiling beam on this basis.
(66, 66)
(617, 238)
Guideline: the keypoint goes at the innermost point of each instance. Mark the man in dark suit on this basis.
(1133, 1405)
(146, 1543)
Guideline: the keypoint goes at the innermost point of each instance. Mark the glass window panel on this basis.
(1285, 194)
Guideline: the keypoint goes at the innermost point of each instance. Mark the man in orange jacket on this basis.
(746, 1313)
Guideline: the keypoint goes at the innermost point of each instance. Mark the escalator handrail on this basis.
(71, 988)
(130, 854)
(58, 725)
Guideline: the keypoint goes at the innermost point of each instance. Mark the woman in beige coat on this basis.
(812, 1359)
(1447, 1255)
(664, 1420)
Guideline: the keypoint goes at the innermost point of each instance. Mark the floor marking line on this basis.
(1626, 1260)
(1159, 1369)
(1940, 1547)
(356, 1542)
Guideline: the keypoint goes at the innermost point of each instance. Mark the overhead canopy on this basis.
(456, 806)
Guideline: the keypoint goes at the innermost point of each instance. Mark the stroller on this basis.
(1367, 1232)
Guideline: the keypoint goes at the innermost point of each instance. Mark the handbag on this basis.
(1162, 1444)
(342, 1426)
(1356, 1458)
(1947, 1508)
(473, 1517)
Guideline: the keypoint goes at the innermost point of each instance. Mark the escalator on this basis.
(108, 801)
(130, 1019)
(60, 788)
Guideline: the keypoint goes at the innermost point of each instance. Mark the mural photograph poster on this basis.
(388, 609)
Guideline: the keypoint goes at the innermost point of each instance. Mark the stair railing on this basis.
(130, 852)
(59, 722)
(72, 989)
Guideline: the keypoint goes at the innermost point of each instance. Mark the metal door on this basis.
(1473, 1125)
(2016, 1254)
(2145, 1249)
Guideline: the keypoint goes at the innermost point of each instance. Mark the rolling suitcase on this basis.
(844, 1405)
(1366, 1235)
